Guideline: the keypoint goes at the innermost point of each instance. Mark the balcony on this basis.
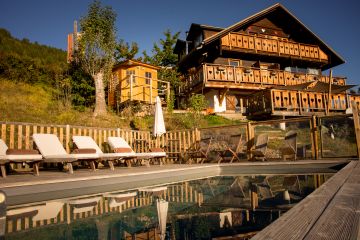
(294, 103)
(224, 76)
(272, 46)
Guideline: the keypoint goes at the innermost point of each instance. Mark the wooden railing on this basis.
(250, 76)
(215, 72)
(298, 102)
(273, 46)
(18, 135)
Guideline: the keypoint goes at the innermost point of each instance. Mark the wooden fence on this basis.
(183, 192)
(18, 135)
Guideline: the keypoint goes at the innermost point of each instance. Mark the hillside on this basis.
(38, 86)
(23, 102)
(23, 61)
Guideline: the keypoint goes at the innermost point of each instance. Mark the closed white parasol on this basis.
(159, 125)
(162, 210)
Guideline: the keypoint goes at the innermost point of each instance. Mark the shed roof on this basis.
(128, 63)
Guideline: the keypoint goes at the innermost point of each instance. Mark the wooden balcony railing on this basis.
(231, 74)
(298, 103)
(268, 45)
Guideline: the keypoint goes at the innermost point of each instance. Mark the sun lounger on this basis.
(84, 205)
(119, 145)
(86, 142)
(156, 191)
(118, 199)
(53, 151)
(7, 155)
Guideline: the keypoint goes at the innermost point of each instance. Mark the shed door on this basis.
(231, 102)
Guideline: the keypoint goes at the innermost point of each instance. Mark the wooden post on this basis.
(131, 85)
(168, 90)
(254, 198)
(249, 139)
(67, 138)
(300, 101)
(329, 93)
(314, 140)
(151, 96)
(355, 111)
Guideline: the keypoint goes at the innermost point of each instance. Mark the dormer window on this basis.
(198, 40)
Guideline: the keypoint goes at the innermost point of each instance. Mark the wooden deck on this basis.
(330, 212)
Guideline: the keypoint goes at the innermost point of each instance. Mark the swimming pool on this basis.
(203, 208)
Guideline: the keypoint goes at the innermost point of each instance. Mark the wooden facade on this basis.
(236, 66)
(133, 81)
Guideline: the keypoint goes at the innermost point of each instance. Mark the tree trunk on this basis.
(100, 105)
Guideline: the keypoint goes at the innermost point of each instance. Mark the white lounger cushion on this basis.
(84, 201)
(48, 211)
(3, 147)
(118, 142)
(151, 154)
(50, 147)
(155, 189)
(13, 157)
(23, 157)
(86, 142)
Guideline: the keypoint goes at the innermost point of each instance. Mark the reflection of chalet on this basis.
(236, 67)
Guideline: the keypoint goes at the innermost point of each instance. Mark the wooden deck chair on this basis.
(289, 148)
(292, 184)
(53, 151)
(264, 190)
(118, 144)
(31, 157)
(199, 150)
(233, 149)
(86, 142)
(260, 147)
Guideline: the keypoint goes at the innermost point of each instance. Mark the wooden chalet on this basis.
(267, 64)
(135, 81)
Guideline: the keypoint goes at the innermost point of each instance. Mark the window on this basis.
(198, 39)
(147, 77)
(128, 74)
(234, 63)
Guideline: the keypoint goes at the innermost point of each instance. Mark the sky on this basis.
(48, 21)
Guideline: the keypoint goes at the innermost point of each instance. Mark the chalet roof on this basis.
(135, 63)
(316, 86)
(194, 28)
(336, 59)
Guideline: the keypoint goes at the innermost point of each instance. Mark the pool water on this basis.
(211, 208)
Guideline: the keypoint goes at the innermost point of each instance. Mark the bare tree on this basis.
(96, 48)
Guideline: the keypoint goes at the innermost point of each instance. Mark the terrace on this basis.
(231, 77)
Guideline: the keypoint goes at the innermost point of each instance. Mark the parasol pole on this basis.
(329, 93)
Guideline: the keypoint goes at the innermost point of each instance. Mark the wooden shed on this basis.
(133, 81)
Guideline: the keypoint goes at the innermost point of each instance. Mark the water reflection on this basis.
(201, 209)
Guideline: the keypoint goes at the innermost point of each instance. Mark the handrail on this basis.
(255, 76)
(272, 45)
